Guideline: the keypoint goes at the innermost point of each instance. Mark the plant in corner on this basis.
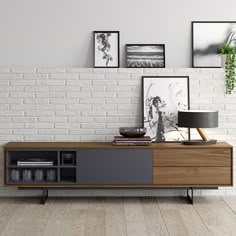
(230, 65)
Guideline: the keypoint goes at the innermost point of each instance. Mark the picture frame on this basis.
(207, 36)
(162, 97)
(145, 56)
(106, 49)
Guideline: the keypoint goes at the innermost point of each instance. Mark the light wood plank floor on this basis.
(118, 216)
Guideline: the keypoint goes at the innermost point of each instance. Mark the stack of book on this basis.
(34, 163)
(122, 141)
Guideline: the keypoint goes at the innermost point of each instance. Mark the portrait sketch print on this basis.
(106, 49)
(206, 39)
(163, 96)
(145, 55)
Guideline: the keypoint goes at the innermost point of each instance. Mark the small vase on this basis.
(223, 60)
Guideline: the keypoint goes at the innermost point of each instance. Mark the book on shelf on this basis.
(140, 141)
(34, 163)
(131, 143)
(119, 138)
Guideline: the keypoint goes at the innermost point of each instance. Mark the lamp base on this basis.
(199, 142)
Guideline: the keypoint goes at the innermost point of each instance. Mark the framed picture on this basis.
(163, 96)
(106, 49)
(207, 36)
(145, 55)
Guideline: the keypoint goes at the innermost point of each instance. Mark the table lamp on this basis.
(198, 119)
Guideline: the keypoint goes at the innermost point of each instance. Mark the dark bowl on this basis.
(132, 132)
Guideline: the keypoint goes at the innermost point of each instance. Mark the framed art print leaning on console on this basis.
(145, 55)
(207, 36)
(106, 49)
(163, 96)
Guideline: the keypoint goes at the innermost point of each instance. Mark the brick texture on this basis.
(85, 104)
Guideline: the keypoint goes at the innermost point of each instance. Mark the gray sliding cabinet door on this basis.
(115, 166)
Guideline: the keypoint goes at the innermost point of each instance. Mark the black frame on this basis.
(192, 33)
(118, 48)
(164, 52)
(188, 86)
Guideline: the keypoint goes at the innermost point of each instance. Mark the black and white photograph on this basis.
(145, 55)
(163, 96)
(106, 49)
(206, 39)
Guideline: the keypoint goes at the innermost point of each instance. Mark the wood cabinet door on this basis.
(218, 176)
(192, 157)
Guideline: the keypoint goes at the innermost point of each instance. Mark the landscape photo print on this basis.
(145, 55)
(163, 96)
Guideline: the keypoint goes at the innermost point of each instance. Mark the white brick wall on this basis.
(85, 104)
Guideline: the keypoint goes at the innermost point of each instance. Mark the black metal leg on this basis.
(190, 197)
(44, 196)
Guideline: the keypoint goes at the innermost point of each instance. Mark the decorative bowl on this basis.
(132, 132)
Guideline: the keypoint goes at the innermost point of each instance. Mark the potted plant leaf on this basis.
(228, 61)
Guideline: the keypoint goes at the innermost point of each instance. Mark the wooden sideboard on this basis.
(102, 165)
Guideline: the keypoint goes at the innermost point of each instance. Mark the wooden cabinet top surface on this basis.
(106, 145)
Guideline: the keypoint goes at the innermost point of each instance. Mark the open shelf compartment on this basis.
(27, 159)
(68, 158)
(32, 176)
(67, 175)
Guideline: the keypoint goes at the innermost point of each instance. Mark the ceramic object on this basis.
(223, 60)
(132, 132)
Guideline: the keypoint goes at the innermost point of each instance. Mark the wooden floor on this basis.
(118, 216)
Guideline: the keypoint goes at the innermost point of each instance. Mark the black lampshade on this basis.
(198, 119)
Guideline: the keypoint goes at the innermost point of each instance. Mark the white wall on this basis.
(91, 104)
(59, 32)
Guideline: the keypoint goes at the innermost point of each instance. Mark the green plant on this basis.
(230, 65)
(226, 49)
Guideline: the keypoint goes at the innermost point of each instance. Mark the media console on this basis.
(45, 165)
